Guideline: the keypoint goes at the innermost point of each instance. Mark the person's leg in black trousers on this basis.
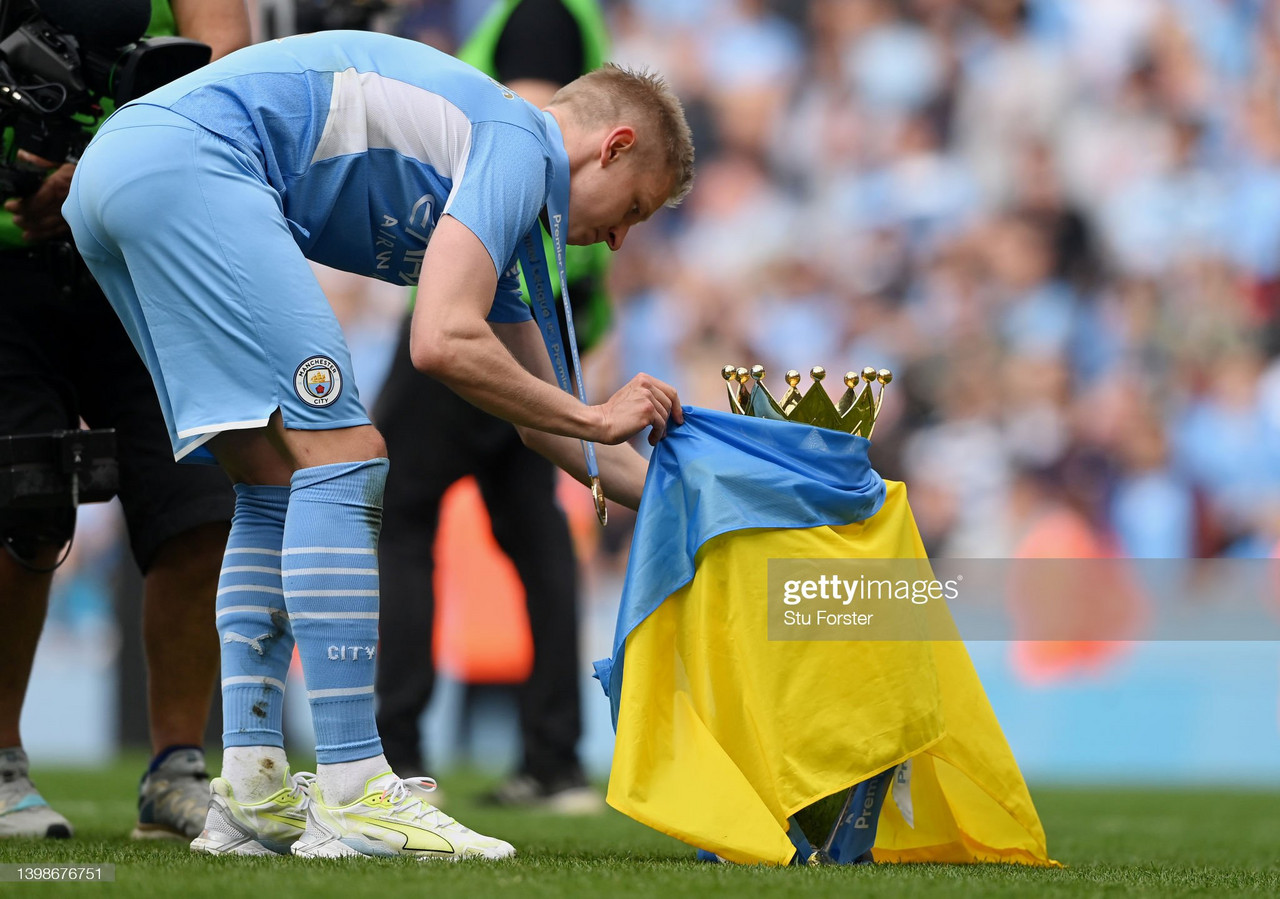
(420, 420)
(528, 523)
(433, 439)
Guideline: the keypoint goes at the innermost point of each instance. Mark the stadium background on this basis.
(1057, 221)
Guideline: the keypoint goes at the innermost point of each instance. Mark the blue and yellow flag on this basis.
(723, 734)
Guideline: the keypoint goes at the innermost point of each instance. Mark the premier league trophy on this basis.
(855, 413)
(841, 828)
(762, 719)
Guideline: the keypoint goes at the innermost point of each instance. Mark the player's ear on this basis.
(617, 143)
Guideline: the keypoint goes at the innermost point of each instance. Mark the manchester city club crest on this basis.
(318, 381)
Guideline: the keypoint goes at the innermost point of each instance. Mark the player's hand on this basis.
(642, 403)
(40, 215)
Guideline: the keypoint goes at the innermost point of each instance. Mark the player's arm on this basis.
(222, 24)
(622, 469)
(452, 341)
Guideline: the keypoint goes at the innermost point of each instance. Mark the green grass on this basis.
(1115, 843)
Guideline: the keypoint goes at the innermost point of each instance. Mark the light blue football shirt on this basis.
(369, 139)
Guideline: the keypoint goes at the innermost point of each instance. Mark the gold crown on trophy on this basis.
(854, 413)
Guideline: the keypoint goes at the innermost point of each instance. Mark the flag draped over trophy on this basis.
(723, 734)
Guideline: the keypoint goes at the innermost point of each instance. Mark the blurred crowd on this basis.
(1056, 221)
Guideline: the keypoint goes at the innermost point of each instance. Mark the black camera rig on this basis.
(43, 477)
(59, 59)
(62, 468)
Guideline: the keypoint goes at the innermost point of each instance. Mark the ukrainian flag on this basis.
(723, 734)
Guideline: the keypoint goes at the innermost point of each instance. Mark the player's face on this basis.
(616, 192)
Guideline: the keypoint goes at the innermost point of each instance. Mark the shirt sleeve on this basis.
(502, 189)
(508, 303)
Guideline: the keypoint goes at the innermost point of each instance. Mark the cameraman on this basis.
(65, 356)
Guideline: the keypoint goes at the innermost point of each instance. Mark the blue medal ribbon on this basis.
(533, 261)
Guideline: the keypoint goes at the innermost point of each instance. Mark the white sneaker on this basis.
(392, 818)
(23, 811)
(268, 827)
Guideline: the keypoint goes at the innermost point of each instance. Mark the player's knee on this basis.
(321, 447)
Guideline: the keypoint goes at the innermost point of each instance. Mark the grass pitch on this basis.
(1114, 843)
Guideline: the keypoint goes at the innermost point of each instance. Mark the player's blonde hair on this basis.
(612, 95)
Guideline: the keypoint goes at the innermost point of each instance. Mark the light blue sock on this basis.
(330, 567)
(253, 626)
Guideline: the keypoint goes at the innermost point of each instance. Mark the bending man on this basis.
(196, 208)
